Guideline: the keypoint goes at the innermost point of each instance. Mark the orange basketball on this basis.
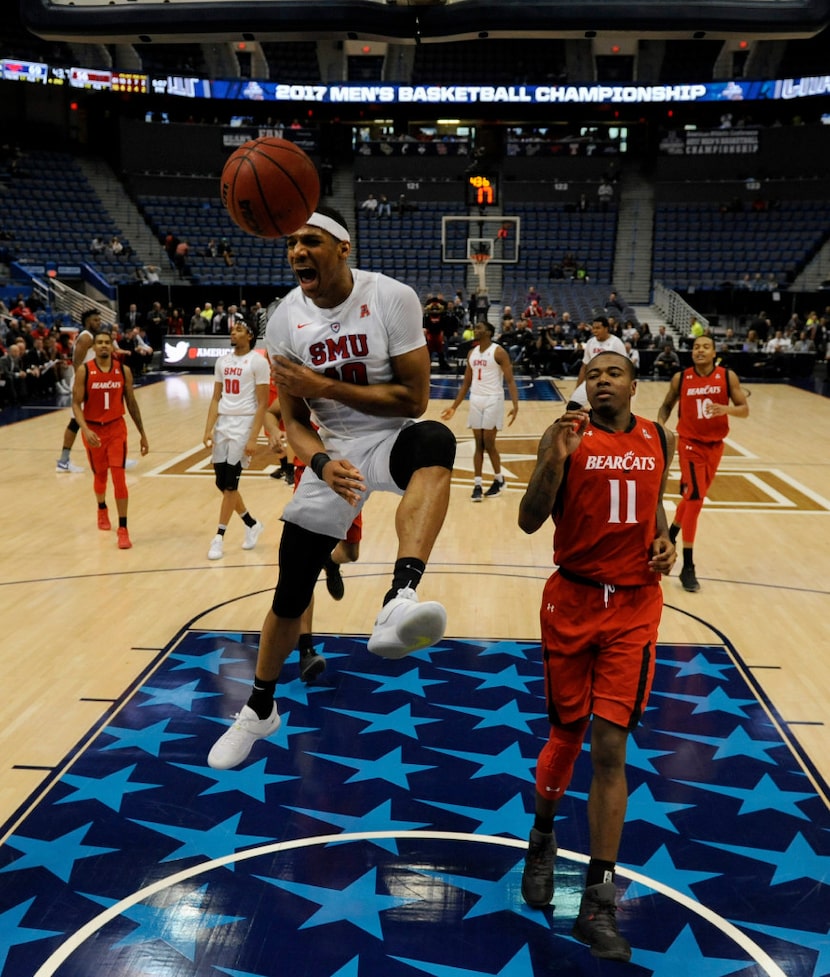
(270, 187)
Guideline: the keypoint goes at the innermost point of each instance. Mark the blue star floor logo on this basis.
(382, 830)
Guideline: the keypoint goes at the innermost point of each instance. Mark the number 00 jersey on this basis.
(605, 511)
(352, 342)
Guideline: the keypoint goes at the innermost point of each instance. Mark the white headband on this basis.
(329, 224)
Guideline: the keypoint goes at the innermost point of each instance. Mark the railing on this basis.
(676, 310)
(61, 298)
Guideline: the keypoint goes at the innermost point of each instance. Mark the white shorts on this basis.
(318, 508)
(230, 435)
(486, 413)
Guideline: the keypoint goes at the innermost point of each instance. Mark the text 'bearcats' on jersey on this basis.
(607, 502)
(352, 342)
(694, 423)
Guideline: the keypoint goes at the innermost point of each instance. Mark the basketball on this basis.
(270, 187)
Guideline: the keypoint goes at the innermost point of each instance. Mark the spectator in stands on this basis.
(646, 340)
(614, 304)
(149, 274)
(13, 386)
(629, 331)
(97, 245)
(778, 344)
(220, 322)
(384, 207)
(156, 323)
(666, 363)
(508, 322)
(211, 249)
(534, 310)
(175, 322)
(370, 205)
(632, 353)
(523, 340)
(182, 259)
(727, 342)
(662, 337)
(171, 242)
(207, 316)
(751, 343)
(605, 194)
(226, 252)
(197, 323)
(569, 265)
(583, 204)
(141, 352)
(804, 344)
(40, 370)
(555, 272)
(532, 295)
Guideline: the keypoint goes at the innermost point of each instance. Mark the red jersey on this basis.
(695, 394)
(104, 398)
(605, 510)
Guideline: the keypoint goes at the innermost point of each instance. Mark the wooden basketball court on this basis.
(85, 622)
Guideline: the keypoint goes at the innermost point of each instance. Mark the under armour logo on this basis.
(550, 608)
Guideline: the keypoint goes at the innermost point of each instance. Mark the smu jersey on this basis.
(104, 397)
(353, 342)
(595, 346)
(240, 376)
(695, 394)
(487, 374)
(605, 510)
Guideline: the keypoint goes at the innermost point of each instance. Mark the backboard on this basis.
(497, 236)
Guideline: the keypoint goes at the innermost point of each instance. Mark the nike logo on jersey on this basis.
(302, 325)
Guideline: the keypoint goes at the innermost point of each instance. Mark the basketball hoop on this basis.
(479, 261)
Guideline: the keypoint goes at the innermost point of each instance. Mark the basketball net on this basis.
(479, 262)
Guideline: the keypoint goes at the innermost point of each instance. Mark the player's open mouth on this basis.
(306, 275)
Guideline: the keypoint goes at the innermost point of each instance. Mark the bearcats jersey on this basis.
(240, 376)
(104, 397)
(487, 374)
(605, 510)
(611, 345)
(695, 394)
(353, 342)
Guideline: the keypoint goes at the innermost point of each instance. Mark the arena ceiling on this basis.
(416, 21)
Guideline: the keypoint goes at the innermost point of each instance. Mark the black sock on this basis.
(599, 871)
(102, 505)
(305, 642)
(408, 573)
(688, 558)
(261, 699)
(122, 522)
(220, 530)
(674, 532)
(543, 824)
(248, 519)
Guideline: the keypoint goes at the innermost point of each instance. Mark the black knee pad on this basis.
(302, 554)
(73, 426)
(425, 445)
(227, 476)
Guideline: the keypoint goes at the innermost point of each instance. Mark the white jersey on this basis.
(353, 342)
(611, 345)
(240, 376)
(488, 378)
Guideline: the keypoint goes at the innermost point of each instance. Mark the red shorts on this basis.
(355, 532)
(113, 450)
(598, 648)
(699, 462)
